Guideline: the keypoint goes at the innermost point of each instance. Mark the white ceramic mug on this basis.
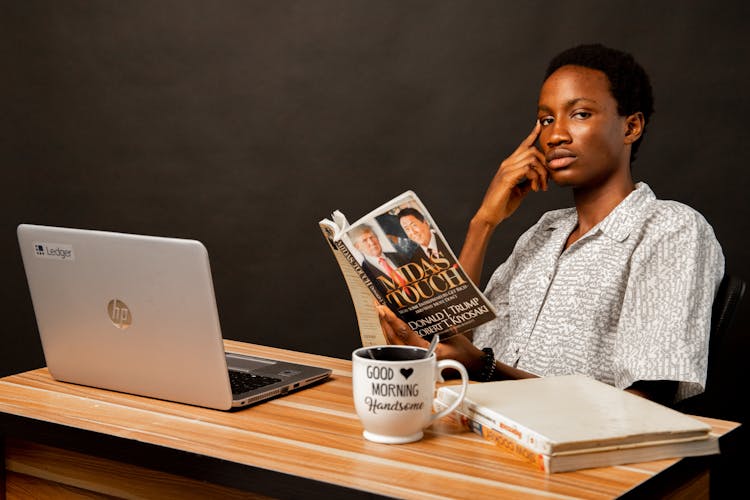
(394, 391)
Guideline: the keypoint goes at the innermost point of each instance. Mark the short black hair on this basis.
(628, 81)
(411, 211)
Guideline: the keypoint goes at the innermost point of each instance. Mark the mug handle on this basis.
(451, 363)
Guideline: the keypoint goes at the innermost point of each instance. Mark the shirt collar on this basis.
(432, 244)
(620, 222)
(617, 225)
(376, 260)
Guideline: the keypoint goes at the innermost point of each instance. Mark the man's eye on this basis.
(545, 121)
(582, 114)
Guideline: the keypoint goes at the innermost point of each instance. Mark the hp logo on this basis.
(119, 314)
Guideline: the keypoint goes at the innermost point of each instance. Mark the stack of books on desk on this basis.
(574, 422)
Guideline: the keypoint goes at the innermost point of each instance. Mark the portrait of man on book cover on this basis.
(411, 265)
(426, 242)
(398, 252)
(380, 260)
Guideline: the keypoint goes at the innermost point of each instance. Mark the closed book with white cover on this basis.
(575, 414)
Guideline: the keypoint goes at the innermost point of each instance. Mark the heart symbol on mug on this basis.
(406, 372)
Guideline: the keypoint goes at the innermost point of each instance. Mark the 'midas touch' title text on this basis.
(423, 281)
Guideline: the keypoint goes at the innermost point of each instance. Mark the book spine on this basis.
(501, 440)
(344, 252)
(343, 257)
(507, 427)
(370, 331)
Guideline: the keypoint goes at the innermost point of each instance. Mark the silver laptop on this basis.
(137, 314)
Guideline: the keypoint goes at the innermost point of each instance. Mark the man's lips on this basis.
(560, 158)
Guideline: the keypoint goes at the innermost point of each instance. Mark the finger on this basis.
(539, 169)
(390, 336)
(543, 174)
(522, 158)
(530, 172)
(531, 138)
(388, 332)
(387, 326)
(517, 166)
(397, 330)
(527, 180)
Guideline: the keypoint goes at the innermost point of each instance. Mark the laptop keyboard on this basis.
(243, 382)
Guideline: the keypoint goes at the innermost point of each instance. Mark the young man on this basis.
(620, 287)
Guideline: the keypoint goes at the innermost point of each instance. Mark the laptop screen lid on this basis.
(137, 314)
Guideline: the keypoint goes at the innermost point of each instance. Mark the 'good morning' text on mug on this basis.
(394, 389)
(384, 386)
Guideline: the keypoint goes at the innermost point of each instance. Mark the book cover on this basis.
(397, 256)
(585, 459)
(573, 414)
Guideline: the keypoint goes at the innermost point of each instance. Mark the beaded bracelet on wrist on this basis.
(488, 365)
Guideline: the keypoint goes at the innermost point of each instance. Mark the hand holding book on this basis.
(457, 347)
(397, 254)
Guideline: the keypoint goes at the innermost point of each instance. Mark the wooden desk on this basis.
(62, 438)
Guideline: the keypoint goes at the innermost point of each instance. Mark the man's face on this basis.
(368, 244)
(582, 134)
(415, 229)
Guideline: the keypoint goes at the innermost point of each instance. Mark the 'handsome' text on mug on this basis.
(388, 388)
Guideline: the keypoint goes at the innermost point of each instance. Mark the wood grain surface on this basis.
(313, 433)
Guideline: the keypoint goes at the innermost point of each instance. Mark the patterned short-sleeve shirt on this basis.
(630, 300)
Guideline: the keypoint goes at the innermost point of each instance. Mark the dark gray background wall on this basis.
(242, 123)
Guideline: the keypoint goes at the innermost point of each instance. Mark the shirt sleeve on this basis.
(496, 333)
(665, 322)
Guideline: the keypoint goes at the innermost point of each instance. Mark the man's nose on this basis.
(557, 133)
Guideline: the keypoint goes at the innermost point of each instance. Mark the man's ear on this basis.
(634, 125)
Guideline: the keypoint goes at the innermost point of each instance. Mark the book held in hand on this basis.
(397, 256)
(572, 422)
